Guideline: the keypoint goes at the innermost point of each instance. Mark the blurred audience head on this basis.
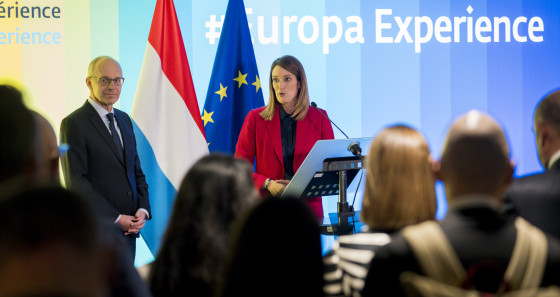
(17, 134)
(49, 244)
(475, 157)
(47, 153)
(400, 188)
(277, 252)
(547, 127)
(216, 190)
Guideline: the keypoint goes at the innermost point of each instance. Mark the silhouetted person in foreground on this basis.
(192, 257)
(46, 150)
(277, 252)
(17, 136)
(49, 245)
(537, 197)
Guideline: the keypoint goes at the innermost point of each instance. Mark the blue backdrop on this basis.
(375, 63)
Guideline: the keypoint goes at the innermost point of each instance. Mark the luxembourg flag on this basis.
(169, 131)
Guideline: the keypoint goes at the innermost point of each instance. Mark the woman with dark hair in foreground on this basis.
(277, 252)
(196, 244)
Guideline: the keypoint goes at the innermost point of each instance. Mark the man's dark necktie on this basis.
(115, 135)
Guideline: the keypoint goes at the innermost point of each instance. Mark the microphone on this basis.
(354, 147)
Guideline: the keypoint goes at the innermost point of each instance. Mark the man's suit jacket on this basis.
(536, 198)
(93, 166)
(476, 233)
(260, 141)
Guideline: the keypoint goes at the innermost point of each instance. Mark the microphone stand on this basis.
(344, 210)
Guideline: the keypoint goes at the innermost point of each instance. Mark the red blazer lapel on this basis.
(309, 130)
(273, 127)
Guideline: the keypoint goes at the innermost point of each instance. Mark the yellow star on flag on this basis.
(222, 92)
(207, 117)
(257, 83)
(241, 79)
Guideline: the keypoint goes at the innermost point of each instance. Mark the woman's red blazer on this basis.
(260, 143)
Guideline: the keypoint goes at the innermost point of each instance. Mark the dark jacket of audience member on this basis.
(196, 243)
(537, 197)
(277, 252)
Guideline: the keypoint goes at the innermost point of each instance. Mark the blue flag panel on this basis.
(235, 86)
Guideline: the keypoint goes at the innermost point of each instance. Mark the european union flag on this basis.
(235, 86)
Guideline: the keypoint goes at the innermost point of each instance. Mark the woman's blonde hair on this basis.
(400, 188)
(292, 65)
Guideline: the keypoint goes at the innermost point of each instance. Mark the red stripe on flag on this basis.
(165, 37)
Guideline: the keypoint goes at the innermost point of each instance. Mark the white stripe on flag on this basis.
(161, 114)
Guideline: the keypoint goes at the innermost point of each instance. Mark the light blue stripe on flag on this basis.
(162, 193)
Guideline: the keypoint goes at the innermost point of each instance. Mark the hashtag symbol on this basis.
(214, 28)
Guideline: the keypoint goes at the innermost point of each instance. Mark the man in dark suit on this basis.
(476, 171)
(102, 161)
(537, 197)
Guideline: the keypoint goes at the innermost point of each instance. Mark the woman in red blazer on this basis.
(279, 135)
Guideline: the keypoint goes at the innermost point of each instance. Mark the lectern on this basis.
(327, 170)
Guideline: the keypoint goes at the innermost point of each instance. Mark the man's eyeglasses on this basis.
(105, 81)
